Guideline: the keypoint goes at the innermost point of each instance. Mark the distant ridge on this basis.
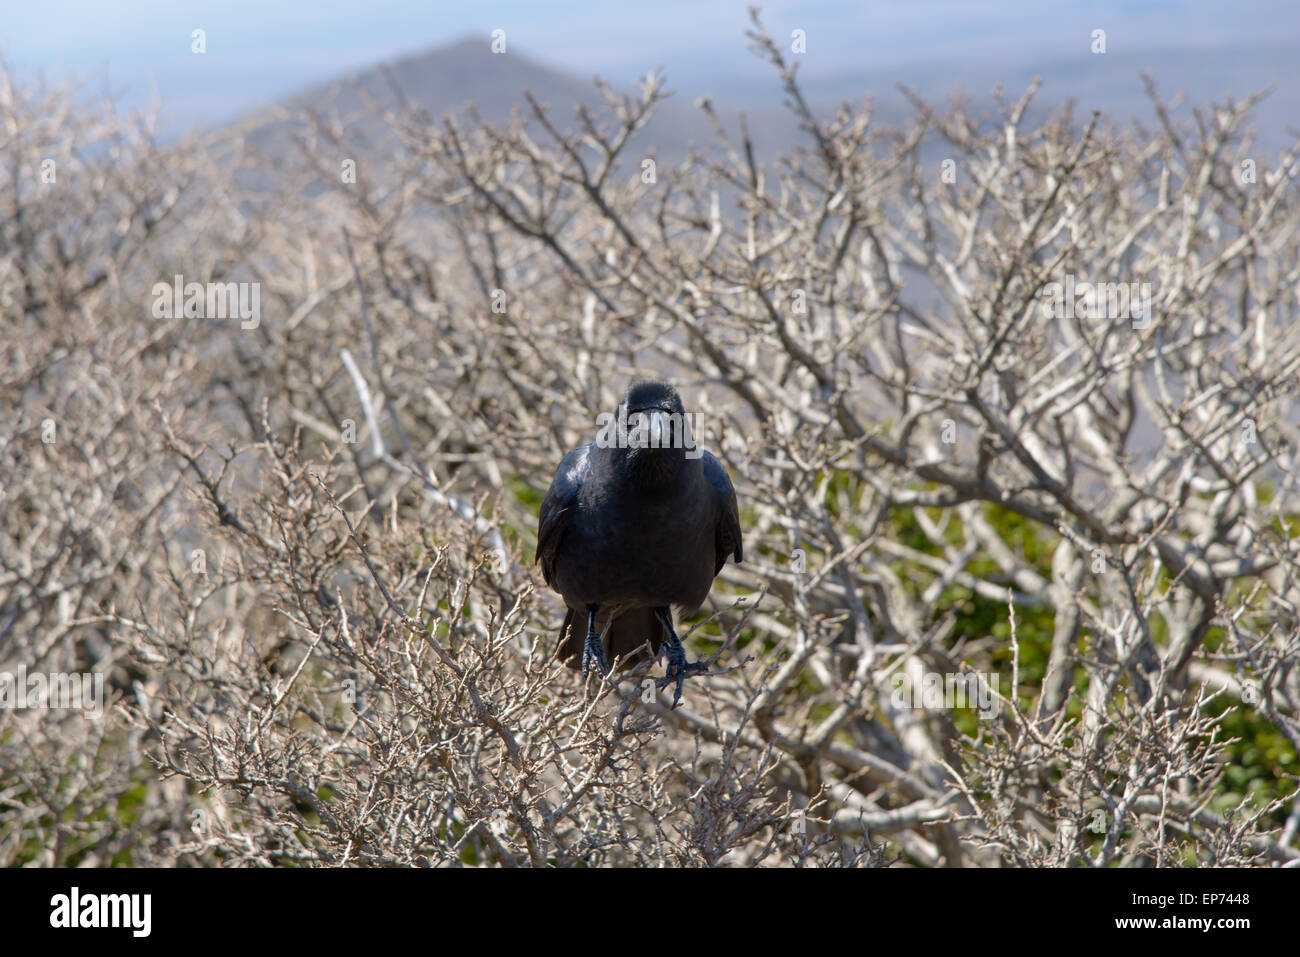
(447, 79)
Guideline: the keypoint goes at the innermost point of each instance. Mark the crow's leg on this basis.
(679, 669)
(592, 648)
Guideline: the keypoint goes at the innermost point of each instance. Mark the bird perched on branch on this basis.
(634, 523)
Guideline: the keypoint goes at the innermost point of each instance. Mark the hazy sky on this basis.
(260, 50)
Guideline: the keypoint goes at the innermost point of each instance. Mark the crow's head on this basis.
(654, 431)
(651, 396)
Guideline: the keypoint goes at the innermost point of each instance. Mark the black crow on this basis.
(639, 520)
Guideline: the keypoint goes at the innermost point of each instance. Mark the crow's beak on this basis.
(659, 429)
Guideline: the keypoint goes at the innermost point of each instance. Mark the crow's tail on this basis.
(631, 629)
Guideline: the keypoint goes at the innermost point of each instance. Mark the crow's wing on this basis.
(728, 533)
(556, 513)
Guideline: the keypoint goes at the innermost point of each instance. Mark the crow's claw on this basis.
(679, 669)
(592, 648)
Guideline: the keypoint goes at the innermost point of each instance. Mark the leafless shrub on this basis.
(300, 552)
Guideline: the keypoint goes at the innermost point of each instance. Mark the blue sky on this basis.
(260, 50)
